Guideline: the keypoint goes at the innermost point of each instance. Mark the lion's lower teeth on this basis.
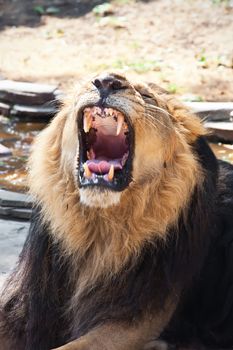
(111, 173)
(108, 177)
(87, 172)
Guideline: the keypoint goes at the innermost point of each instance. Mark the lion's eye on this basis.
(110, 84)
(117, 85)
(147, 95)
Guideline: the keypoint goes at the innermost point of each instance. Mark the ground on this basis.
(184, 45)
(12, 237)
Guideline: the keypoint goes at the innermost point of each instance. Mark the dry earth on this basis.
(186, 46)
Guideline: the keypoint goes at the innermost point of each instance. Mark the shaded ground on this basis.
(12, 237)
(27, 12)
(186, 46)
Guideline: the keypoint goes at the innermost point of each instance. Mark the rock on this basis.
(30, 112)
(220, 131)
(26, 93)
(15, 205)
(14, 199)
(218, 117)
(15, 213)
(213, 111)
(4, 109)
(29, 100)
(4, 151)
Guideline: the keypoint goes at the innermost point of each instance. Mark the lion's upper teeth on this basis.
(87, 122)
(110, 112)
(120, 121)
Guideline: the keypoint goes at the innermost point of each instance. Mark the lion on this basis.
(130, 245)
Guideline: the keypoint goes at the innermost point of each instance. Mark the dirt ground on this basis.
(184, 45)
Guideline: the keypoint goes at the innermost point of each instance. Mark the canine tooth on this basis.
(111, 173)
(106, 112)
(120, 121)
(87, 172)
(110, 112)
(87, 121)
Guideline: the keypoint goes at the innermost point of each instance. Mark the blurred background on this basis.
(186, 46)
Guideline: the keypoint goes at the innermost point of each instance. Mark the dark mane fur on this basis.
(200, 258)
(36, 293)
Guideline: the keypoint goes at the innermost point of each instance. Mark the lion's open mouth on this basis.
(106, 141)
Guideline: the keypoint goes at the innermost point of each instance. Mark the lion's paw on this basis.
(80, 344)
(158, 345)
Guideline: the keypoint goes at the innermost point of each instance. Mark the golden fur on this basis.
(163, 181)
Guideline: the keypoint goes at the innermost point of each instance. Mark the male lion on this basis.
(131, 241)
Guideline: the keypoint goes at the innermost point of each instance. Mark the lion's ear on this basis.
(187, 122)
(150, 89)
(157, 89)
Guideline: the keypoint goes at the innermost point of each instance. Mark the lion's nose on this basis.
(107, 84)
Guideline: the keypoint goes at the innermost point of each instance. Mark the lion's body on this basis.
(161, 258)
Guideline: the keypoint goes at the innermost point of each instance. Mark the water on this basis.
(223, 151)
(18, 136)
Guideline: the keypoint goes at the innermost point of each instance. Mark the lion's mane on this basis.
(83, 265)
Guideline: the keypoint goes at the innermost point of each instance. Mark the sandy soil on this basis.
(185, 45)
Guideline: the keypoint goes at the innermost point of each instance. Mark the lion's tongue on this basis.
(106, 150)
(101, 166)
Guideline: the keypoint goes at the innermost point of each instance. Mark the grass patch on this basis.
(140, 66)
(123, 2)
(219, 2)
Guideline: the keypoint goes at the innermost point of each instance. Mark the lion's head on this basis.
(118, 155)
(120, 138)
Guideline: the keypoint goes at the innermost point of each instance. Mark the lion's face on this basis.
(115, 167)
(122, 138)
